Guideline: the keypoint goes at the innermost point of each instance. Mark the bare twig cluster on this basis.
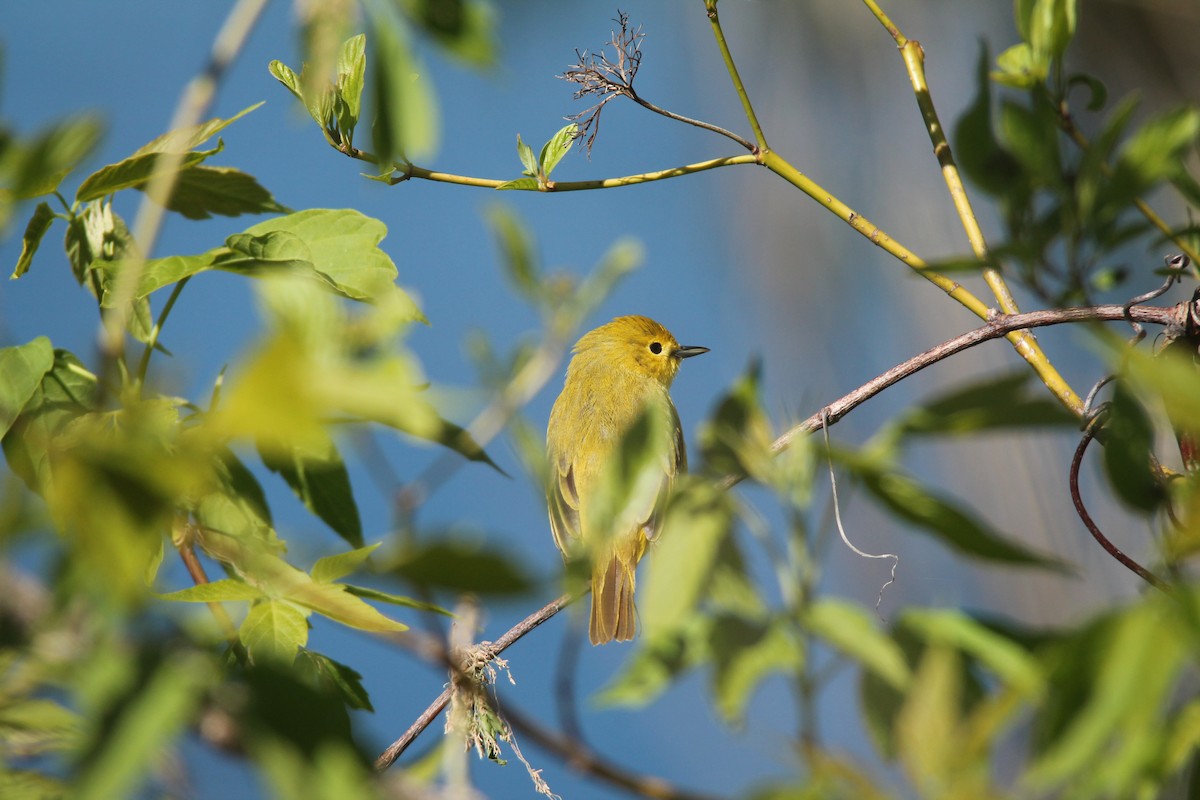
(599, 76)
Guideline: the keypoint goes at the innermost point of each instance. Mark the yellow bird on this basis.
(619, 376)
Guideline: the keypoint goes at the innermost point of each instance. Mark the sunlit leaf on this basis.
(1021, 67)
(368, 593)
(274, 630)
(522, 184)
(525, 154)
(49, 156)
(517, 246)
(556, 147)
(201, 191)
(1005, 657)
(850, 631)
(681, 560)
(331, 568)
(220, 591)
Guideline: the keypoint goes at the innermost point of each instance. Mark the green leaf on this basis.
(285, 75)
(1021, 67)
(367, 593)
(24, 367)
(43, 162)
(35, 229)
(955, 527)
(1031, 136)
(1157, 151)
(462, 566)
(996, 403)
(517, 246)
(1128, 446)
(129, 734)
(186, 138)
(201, 191)
(133, 172)
(330, 568)
(351, 76)
(525, 153)
(466, 29)
(745, 652)
(66, 392)
(336, 677)
(736, 439)
(318, 477)
(1007, 659)
(979, 155)
(274, 630)
(849, 630)
(556, 147)
(1052, 26)
(521, 184)
(220, 591)
(680, 567)
(405, 113)
(344, 247)
(658, 661)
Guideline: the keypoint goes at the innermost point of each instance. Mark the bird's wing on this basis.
(563, 496)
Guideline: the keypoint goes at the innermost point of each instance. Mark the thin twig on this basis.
(1094, 425)
(493, 649)
(580, 757)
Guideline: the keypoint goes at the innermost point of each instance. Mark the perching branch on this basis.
(999, 326)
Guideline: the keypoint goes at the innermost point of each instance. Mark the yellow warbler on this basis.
(620, 374)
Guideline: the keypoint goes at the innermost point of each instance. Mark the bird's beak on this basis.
(687, 351)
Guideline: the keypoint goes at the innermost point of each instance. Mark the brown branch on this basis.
(999, 326)
(491, 650)
(580, 757)
(1149, 577)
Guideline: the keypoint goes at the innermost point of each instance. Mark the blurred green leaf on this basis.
(318, 477)
(192, 136)
(335, 677)
(1020, 67)
(929, 730)
(955, 527)
(1052, 26)
(368, 593)
(745, 652)
(24, 367)
(656, 663)
(41, 162)
(995, 403)
(219, 591)
(65, 392)
(1128, 437)
(35, 726)
(1007, 659)
(331, 568)
(405, 113)
(849, 630)
(1155, 152)
(458, 565)
(273, 630)
(35, 229)
(681, 563)
(517, 247)
(1119, 675)
(979, 155)
(466, 29)
(736, 439)
(1031, 136)
(146, 715)
(556, 147)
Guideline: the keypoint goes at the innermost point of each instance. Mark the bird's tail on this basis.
(614, 617)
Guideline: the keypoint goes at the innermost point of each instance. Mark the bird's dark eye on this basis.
(656, 347)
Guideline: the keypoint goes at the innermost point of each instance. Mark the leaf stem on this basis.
(144, 364)
(710, 7)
